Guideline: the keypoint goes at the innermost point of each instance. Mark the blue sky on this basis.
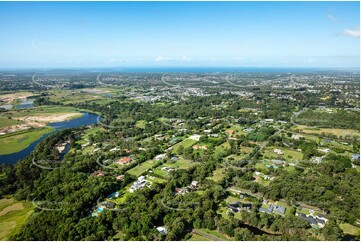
(184, 34)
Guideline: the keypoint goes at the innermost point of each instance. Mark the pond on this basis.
(26, 104)
(86, 119)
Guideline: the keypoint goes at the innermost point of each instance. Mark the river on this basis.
(85, 119)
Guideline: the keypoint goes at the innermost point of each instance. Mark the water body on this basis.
(26, 104)
(86, 119)
(7, 106)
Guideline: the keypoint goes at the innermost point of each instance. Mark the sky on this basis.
(179, 34)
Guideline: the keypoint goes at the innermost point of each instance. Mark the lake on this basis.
(86, 119)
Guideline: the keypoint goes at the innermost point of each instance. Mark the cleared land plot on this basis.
(18, 141)
(214, 233)
(141, 168)
(43, 111)
(13, 215)
(4, 122)
(238, 130)
(338, 132)
(350, 229)
(288, 154)
(180, 164)
(218, 174)
(221, 148)
(140, 124)
(185, 143)
(197, 237)
(119, 236)
(13, 96)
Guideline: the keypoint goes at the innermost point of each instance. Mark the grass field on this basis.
(350, 229)
(197, 237)
(288, 154)
(43, 111)
(119, 236)
(218, 174)
(238, 130)
(216, 234)
(220, 149)
(4, 121)
(338, 132)
(18, 141)
(141, 168)
(13, 215)
(13, 96)
(180, 164)
(140, 124)
(186, 143)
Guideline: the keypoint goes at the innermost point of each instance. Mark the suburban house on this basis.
(230, 132)
(195, 137)
(120, 177)
(192, 186)
(98, 173)
(140, 183)
(238, 206)
(355, 157)
(296, 136)
(199, 147)
(278, 162)
(278, 151)
(124, 160)
(160, 157)
(168, 169)
(317, 221)
(174, 159)
(181, 191)
(162, 230)
(273, 208)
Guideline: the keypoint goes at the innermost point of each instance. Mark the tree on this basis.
(332, 231)
(243, 234)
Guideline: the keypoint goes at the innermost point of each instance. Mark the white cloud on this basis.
(239, 58)
(40, 45)
(113, 60)
(310, 60)
(162, 58)
(354, 33)
(331, 18)
(185, 58)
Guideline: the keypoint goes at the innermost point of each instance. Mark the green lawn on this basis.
(220, 149)
(14, 142)
(288, 154)
(141, 168)
(180, 164)
(5, 121)
(186, 143)
(119, 236)
(238, 130)
(218, 174)
(44, 111)
(140, 124)
(350, 229)
(196, 237)
(154, 179)
(13, 215)
(216, 234)
(338, 132)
